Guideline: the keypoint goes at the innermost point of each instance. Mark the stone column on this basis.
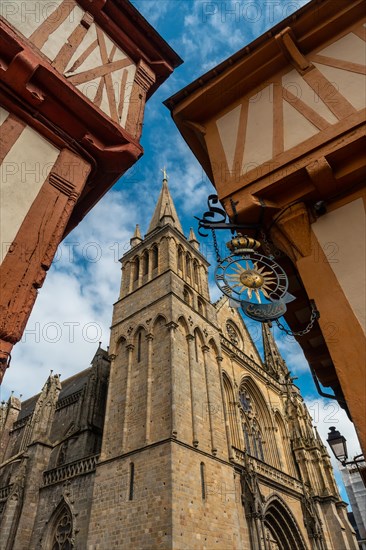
(130, 348)
(149, 338)
(173, 362)
(205, 350)
(191, 355)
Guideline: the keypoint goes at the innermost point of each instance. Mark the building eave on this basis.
(196, 103)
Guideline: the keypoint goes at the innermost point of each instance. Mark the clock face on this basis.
(251, 277)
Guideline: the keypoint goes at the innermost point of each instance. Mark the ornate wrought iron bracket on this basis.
(216, 218)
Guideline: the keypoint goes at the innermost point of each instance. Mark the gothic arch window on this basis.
(61, 457)
(187, 296)
(180, 258)
(155, 257)
(188, 266)
(145, 263)
(195, 272)
(201, 306)
(230, 410)
(136, 269)
(233, 334)
(285, 450)
(62, 530)
(139, 338)
(255, 414)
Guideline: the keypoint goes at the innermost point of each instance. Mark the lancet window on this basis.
(62, 536)
(187, 295)
(145, 263)
(252, 434)
(195, 272)
(155, 257)
(137, 269)
(188, 266)
(233, 334)
(180, 259)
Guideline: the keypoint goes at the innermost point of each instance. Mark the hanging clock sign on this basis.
(256, 282)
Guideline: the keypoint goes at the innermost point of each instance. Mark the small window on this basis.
(145, 263)
(195, 272)
(155, 257)
(137, 269)
(201, 306)
(188, 266)
(203, 481)
(187, 296)
(139, 347)
(132, 478)
(180, 259)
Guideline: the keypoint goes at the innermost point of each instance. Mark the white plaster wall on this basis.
(294, 83)
(24, 170)
(341, 234)
(259, 136)
(348, 48)
(351, 85)
(228, 126)
(297, 128)
(28, 15)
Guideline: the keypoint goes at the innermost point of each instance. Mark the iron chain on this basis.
(216, 246)
(314, 316)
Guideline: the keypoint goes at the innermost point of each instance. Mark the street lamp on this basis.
(337, 443)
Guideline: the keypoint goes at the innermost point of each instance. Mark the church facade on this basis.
(181, 436)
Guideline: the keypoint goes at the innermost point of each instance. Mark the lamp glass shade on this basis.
(337, 443)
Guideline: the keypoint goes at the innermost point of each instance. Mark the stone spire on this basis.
(45, 409)
(136, 238)
(193, 239)
(165, 211)
(273, 361)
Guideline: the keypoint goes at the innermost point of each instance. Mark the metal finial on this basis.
(165, 175)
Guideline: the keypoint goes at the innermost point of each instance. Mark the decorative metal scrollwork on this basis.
(216, 218)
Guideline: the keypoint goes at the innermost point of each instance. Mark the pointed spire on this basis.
(136, 239)
(193, 239)
(165, 211)
(273, 360)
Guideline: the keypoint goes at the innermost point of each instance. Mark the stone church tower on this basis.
(198, 442)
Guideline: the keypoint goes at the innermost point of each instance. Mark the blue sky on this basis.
(73, 310)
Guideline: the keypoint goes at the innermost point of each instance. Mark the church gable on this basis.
(234, 329)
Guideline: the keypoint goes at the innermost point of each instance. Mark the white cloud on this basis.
(215, 30)
(153, 10)
(74, 308)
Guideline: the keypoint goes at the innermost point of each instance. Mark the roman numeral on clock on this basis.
(227, 289)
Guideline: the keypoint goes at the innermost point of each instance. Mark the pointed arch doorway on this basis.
(281, 529)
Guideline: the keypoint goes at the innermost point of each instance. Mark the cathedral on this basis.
(180, 436)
